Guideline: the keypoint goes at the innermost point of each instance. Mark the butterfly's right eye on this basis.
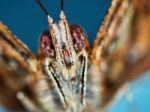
(78, 36)
(46, 45)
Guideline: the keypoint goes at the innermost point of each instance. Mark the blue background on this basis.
(27, 21)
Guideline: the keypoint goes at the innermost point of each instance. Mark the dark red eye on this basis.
(78, 36)
(46, 45)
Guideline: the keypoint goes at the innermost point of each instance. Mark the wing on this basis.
(13, 66)
(121, 49)
(22, 82)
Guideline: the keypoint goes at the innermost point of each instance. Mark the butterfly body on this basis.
(67, 75)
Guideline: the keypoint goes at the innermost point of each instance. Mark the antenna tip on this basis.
(50, 20)
(62, 15)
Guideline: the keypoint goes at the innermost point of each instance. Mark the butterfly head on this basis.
(64, 58)
(62, 41)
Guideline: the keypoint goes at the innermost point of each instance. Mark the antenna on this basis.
(62, 15)
(62, 5)
(42, 7)
(50, 20)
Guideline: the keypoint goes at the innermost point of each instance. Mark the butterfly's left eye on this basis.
(46, 45)
(78, 36)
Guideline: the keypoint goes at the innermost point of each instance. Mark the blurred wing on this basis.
(15, 43)
(17, 69)
(121, 49)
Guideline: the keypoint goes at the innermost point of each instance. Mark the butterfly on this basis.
(69, 75)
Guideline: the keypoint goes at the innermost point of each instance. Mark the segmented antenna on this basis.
(42, 7)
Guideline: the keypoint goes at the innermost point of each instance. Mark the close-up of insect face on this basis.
(69, 73)
(65, 59)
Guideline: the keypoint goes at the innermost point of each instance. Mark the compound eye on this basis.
(46, 45)
(78, 36)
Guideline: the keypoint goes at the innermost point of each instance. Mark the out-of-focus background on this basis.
(27, 21)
